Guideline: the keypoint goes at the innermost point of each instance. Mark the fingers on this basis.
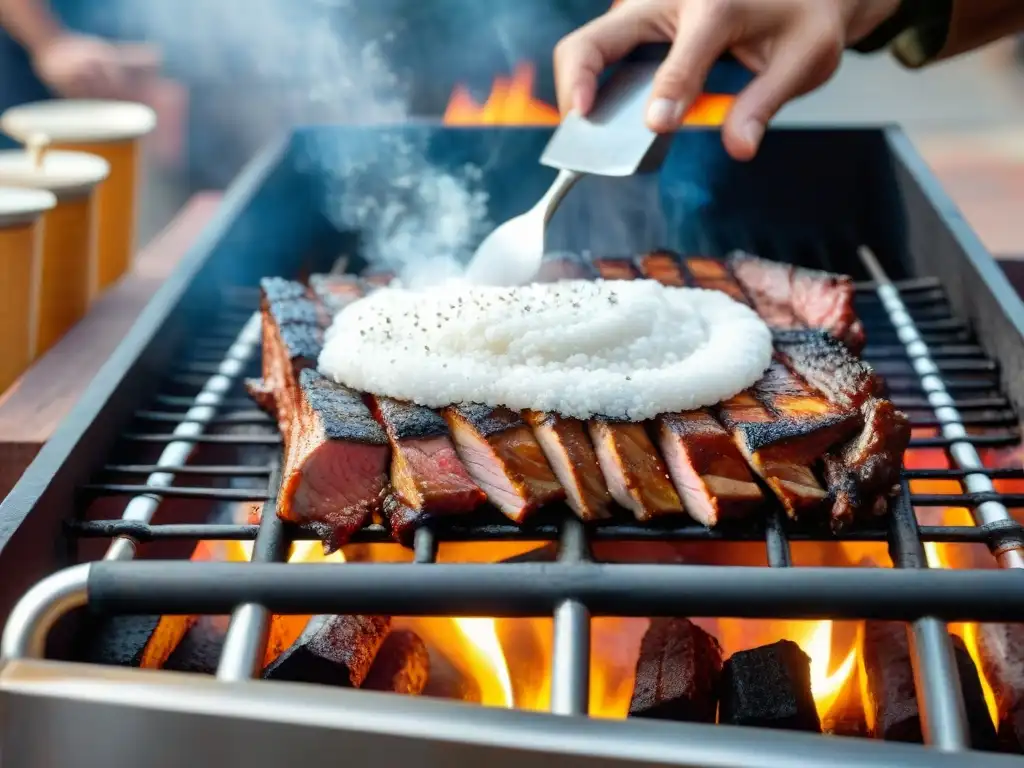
(705, 31)
(582, 56)
(799, 64)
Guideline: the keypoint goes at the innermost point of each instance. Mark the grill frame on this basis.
(61, 471)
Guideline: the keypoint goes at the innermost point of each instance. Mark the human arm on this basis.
(71, 64)
(960, 26)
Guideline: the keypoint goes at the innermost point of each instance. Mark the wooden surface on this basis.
(35, 404)
(985, 179)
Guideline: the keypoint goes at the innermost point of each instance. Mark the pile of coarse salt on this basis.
(625, 350)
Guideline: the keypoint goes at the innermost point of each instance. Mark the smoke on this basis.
(257, 68)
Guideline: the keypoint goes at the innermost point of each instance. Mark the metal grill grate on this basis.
(936, 371)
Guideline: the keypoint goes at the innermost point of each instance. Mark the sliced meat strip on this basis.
(336, 292)
(795, 297)
(713, 275)
(782, 429)
(827, 365)
(633, 470)
(566, 268)
(615, 269)
(574, 461)
(336, 460)
(426, 473)
(706, 467)
(662, 266)
(504, 459)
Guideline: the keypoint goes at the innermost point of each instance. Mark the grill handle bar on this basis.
(528, 589)
(32, 618)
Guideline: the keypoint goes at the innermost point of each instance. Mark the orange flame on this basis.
(941, 555)
(511, 102)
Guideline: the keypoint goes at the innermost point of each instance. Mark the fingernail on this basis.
(664, 114)
(752, 132)
(578, 100)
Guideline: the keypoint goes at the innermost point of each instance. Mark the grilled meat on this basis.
(335, 462)
(782, 429)
(292, 340)
(634, 472)
(706, 467)
(794, 297)
(504, 459)
(827, 365)
(867, 468)
(335, 292)
(662, 266)
(426, 473)
(572, 457)
(554, 270)
(615, 269)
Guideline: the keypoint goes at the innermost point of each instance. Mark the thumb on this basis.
(798, 66)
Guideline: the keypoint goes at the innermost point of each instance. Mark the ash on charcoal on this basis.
(677, 674)
(137, 641)
(402, 665)
(769, 687)
(332, 650)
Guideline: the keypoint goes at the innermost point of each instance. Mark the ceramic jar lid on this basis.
(23, 206)
(66, 174)
(79, 121)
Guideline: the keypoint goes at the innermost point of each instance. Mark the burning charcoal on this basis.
(199, 651)
(890, 700)
(402, 665)
(137, 641)
(769, 687)
(1001, 653)
(890, 694)
(447, 681)
(333, 650)
(677, 674)
(979, 723)
(846, 715)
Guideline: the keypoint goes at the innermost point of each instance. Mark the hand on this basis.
(792, 46)
(77, 66)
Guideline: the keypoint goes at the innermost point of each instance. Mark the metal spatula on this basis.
(612, 140)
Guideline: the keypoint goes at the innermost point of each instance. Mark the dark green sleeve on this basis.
(916, 33)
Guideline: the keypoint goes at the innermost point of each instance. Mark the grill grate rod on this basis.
(961, 445)
(184, 437)
(940, 697)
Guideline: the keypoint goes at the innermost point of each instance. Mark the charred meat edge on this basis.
(503, 458)
(336, 464)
